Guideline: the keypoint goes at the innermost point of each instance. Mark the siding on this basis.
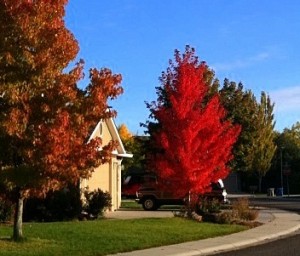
(107, 176)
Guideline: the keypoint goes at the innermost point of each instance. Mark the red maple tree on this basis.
(45, 118)
(191, 137)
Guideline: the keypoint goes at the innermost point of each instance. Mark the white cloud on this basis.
(242, 62)
(259, 57)
(287, 106)
(286, 99)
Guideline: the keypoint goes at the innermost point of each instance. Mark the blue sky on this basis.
(256, 42)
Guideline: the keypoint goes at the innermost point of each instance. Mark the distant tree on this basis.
(128, 141)
(45, 119)
(193, 142)
(288, 147)
(124, 133)
(289, 140)
(255, 147)
(241, 106)
(264, 139)
(135, 144)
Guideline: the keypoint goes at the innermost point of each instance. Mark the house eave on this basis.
(126, 155)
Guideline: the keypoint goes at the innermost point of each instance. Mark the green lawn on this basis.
(130, 204)
(105, 236)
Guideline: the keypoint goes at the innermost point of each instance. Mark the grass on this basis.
(130, 204)
(102, 237)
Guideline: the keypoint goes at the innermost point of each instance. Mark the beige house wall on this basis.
(106, 177)
(106, 135)
(99, 178)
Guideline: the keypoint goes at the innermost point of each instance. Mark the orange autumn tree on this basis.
(124, 133)
(45, 118)
(191, 138)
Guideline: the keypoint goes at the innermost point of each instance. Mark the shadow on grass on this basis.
(10, 239)
(6, 239)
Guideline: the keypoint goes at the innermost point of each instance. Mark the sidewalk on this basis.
(276, 223)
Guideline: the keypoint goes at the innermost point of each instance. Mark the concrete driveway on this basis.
(134, 214)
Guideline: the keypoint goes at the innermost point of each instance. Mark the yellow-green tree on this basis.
(264, 139)
(255, 147)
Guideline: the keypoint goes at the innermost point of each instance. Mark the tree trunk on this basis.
(259, 183)
(189, 212)
(18, 219)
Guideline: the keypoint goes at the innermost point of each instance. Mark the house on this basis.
(107, 177)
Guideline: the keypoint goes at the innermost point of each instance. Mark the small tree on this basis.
(45, 119)
(193, 141)
(241, 106)
(255, 147)
(264, 145)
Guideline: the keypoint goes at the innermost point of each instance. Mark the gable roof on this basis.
(120, 151)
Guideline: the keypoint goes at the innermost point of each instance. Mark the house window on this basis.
(100, 129)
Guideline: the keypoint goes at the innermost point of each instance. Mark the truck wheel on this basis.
(149, 204)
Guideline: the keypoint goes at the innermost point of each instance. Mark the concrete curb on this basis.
(277, 223)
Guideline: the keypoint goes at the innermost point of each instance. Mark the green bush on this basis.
(251, 214)
(96, 202)
(224, 217)
(207, 206)
(59, 205)
(241, 210)
(6, 210)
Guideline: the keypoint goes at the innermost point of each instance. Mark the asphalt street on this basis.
(287, 246)
(283, 203)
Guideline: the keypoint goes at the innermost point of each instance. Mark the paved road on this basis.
(289, 204)
(287, 246)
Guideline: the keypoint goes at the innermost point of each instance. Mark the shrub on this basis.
(6, 210)
(241, 210)
(251, 214)
(210, 210)
(96, 202)
(57, 206)
(206, 206)
(224, 217)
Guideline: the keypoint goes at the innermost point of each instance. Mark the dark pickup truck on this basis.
(152, 198)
